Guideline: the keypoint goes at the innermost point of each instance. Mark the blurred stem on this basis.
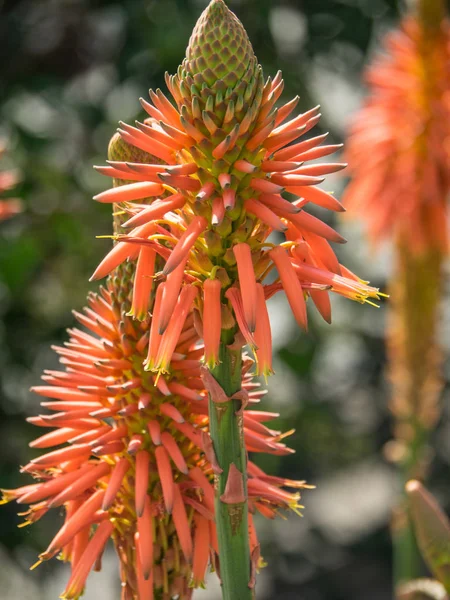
(415, 362)
(415, 358)
(226, 428)
(406, 555)
(431, 12)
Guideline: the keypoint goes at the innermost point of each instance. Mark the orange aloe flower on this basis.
(399, 145)
(8, 179)
(132, 459)
(198, 189)
(225, 158)
(399, 154)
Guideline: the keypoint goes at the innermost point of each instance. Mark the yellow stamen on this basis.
(36, 564)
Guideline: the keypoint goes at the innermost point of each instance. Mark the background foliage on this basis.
(69, 70)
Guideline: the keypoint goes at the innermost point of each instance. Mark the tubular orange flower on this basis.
(143, 282)
(247, 283)
(213, 320)
(263, 336)
(171, 336)
(291, 284)
(185, 243)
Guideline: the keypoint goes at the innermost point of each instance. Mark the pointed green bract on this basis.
(432, 531)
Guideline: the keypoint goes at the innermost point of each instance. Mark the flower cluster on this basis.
(199, 186)
(226, 158)
(135, 461)
(399, 144)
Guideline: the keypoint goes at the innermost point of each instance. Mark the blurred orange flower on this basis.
(399, 145)
(8, 179)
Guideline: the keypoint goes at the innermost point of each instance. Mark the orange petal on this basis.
(154, 430)
(182, 524)
(279, 140)
(290, 284)
(247, 282)
(190, 432)
(321, 198)
(306, 221)
(318, 152)
(212, 309)
(156, 210)
(80, 542)
(145, 586)
(265, 186)
(322, 303)
(218, 211)
(264, 214)
(114, 258)
(263, 335)
(201, 550)
(185, 243)
(298, 121)
(88, 559)
(115, 481)
(67, 453)
(171, 336)
(169, 410)
(170, 296)
(53, 486)
(174, 451)
(79, 519)
(234, 296)
(155, 336)
(81, 484)
(131, 191)
(54, 438)
(143, 282)
(291, 152)
(165, 476)
(141, 480)
(145, 530)
(135, 443)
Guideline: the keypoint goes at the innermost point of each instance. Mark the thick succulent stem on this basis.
(415, 361)
(226, 428)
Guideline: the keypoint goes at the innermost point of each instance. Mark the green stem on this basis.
(226, 428)
(406, 554)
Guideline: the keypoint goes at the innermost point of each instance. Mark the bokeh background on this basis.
(69, 70)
